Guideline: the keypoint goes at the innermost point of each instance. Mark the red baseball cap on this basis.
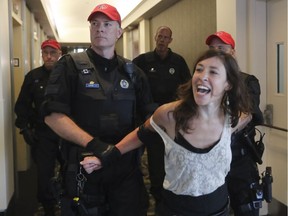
(108, 10)
(51, 43)
(223, 36)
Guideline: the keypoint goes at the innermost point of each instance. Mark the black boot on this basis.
(49, 209)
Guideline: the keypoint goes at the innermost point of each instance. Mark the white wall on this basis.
(6, 143)
(245, 20)
(277, 139)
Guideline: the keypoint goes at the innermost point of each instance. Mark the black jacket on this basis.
(164, 75)
(99, 99)
(31, 96)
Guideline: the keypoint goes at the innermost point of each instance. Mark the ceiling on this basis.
(66, 20)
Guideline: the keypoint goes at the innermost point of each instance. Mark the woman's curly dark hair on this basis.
(239, 101)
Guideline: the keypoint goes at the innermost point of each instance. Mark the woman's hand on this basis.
(243, 121)
(91, 164)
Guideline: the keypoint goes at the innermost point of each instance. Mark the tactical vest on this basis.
(104, 104)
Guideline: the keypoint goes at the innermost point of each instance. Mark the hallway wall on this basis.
(16, 50)
(191, 21)
(6, 120)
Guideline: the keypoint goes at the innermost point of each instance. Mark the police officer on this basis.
(93, 103)
(44, 143)
(165, 70)
(245, 152)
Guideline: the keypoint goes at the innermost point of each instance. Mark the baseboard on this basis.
(276, 208)
(11, 206)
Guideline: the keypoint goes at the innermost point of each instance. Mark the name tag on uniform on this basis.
(92, 85)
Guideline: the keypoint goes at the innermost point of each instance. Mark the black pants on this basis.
(115, 190)
(242, 174)
(155, 155)
(46, 154)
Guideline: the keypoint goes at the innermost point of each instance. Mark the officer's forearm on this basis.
(67, 129)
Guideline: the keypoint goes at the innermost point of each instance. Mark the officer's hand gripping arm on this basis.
(107, 153)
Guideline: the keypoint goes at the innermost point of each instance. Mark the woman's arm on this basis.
(145, 133)
(128, 143)
(134, 139)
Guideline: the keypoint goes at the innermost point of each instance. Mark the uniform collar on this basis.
(102, 63)
(158, 56)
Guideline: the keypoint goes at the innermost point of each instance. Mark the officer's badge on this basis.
(85, 71)
(93, 85)
(124, 84)
(171, 71)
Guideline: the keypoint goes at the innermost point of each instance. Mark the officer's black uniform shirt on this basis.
(254, 91)
(68, 94)
(31, 96)
(239, 144)
(164, 75)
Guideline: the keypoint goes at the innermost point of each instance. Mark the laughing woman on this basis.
(196, 130)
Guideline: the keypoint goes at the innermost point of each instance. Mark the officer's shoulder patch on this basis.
(82, 62)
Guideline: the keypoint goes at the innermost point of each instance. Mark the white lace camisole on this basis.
(195, 174)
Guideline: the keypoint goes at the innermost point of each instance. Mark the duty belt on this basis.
(254, 205)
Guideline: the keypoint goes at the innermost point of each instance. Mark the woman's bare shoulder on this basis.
(163, 116)
(166, 109)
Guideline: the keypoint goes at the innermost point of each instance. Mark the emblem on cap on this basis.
(102, 6)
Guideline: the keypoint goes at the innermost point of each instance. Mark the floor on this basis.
(26, 203)
(25, 200)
